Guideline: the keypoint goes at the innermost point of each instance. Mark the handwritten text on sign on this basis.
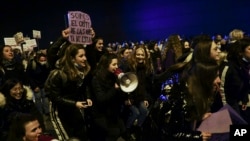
(80, 25)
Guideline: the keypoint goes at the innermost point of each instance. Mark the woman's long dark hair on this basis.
(9, 84)
(200, 86)
(101, 70)
(17, 128)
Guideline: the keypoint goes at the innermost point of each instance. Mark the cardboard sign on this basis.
(79, 25)
(19, 37)
(10, 41)
(30, 43)
(36, 34)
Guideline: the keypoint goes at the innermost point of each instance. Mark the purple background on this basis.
(120, 20)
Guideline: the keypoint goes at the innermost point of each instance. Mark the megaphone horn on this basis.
(128, 81)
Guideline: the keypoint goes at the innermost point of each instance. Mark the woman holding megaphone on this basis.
(107, 100)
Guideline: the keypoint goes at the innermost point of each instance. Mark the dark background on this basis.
(126, 20)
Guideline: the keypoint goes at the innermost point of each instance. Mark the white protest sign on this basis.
(79, 25)
(36, 34)
(30, 43)
(19, 37)
(10, 41)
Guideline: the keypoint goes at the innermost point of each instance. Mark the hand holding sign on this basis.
(80, 28)
(65, 33)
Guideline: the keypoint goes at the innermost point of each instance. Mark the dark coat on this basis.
(64, 94)
(38, 74)
(107, 100)
(236, 83)
(12, 108)
(13, 70)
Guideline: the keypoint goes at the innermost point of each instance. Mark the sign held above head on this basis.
(79, 24)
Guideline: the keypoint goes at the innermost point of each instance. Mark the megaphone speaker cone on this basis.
(128, 82)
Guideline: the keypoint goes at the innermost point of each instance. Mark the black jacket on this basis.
(235, 83)
(12, 108)
(107, 100)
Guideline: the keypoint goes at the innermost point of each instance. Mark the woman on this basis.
(108, 99)
(10, 67)
(67, 88)
(26, 127)
(235, 75)
(18, 101)
(95, 52)
(172, 51)
(189, 103)
(139, 100)
(155, 54)
(38, 71)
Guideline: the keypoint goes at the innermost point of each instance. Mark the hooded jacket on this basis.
(10, 108)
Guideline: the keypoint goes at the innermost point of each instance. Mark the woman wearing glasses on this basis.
(18, 100)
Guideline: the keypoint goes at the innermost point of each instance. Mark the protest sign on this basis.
(36, 34)
(10, 41)
(80, 28)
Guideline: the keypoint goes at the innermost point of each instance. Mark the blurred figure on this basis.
(234, 35)
(38, 71)
(155, 54)
(172, 51)
(123, 55)
(186, 51)
(235, 75)
(95, 51)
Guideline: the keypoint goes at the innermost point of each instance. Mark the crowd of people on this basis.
(181, 83)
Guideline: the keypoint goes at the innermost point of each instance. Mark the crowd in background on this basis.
(181, 82)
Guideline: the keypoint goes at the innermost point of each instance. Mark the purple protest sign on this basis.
(80, 27)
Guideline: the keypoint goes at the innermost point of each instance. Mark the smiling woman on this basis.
(26, 127)
(68, 92)
(18, 101)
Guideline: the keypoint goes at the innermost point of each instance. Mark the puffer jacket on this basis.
(10, 108)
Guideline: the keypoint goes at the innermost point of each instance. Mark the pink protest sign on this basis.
(80, 25)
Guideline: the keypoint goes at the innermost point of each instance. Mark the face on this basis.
(215, 52)
(80, 58)
(156, 47)
(113, 65)
(126, 53)
(8, 53)
(32, 131)
(216, 83)
(17, 91)
(140, 55)
(246, 53)
(42, 60)
(186, 44)
(99, 45)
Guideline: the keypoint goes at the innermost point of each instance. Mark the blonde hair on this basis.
(223, 57)
(236, 34)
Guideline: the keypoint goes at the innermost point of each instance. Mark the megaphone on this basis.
(128, 81)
